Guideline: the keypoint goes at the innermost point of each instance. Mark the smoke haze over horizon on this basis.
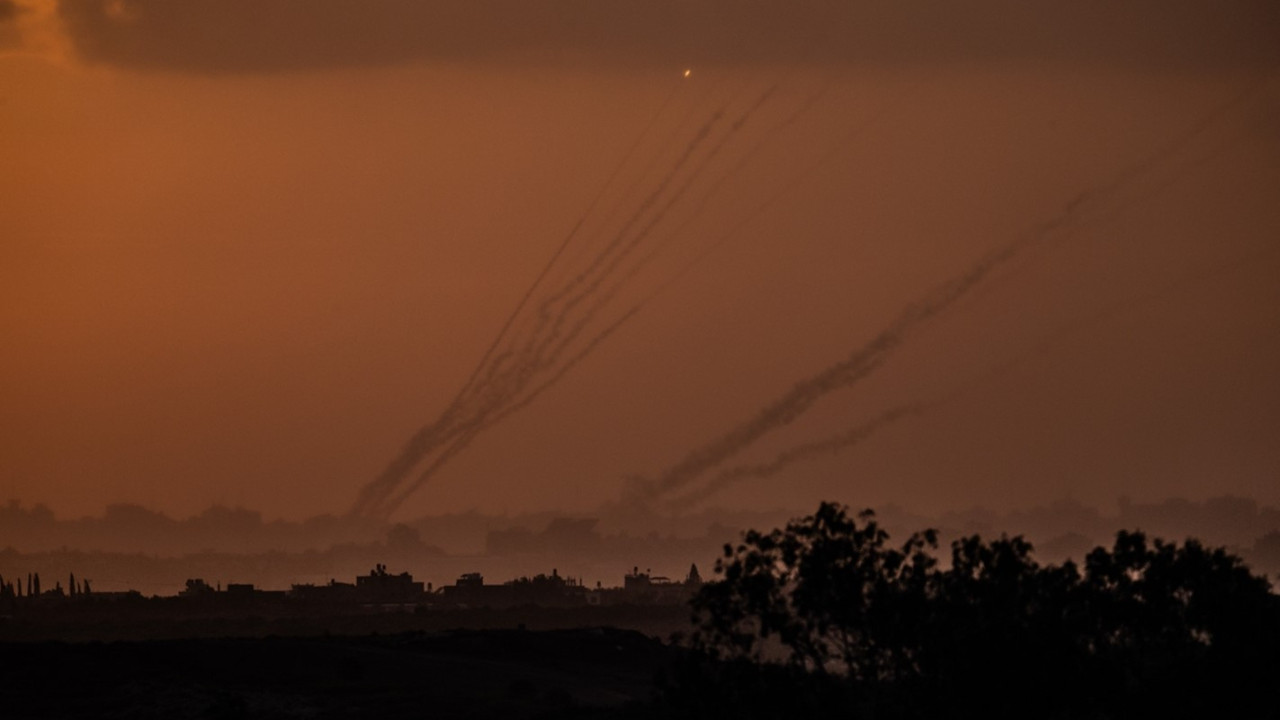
(249, 249)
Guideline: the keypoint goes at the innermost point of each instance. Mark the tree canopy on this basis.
(830, 609)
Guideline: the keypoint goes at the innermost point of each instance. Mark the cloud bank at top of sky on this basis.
(9, 35)
(217, 37)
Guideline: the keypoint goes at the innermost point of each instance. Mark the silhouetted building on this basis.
(197, 587)
(382, 588)
(552, 590)
(643, 588)
(332, 594)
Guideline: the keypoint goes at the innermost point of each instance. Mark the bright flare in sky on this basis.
(687, 73)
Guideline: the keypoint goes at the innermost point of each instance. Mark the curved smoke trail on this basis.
(863, 361)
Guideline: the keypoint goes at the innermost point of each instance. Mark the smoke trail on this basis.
(605, 255)
(490, 387)
(865, 360)
(632, 189)
(539, 338)
(612, 267)
(1065, 333)
(754, 150)
(537, 281)
(759, 209)
(482, 424)
(690, 149)
(855, 367)
(545, 348)
(431, 436)
(805, 451)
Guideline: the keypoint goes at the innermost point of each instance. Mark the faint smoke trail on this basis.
(658, 153)
(1064, 334)
(484, 423)
(690, 149)
(759, 209)
(545, 346)
(540, 338)
(501, 383)
(686, 157)
(545, 357)
(865, 360)
(613, 266)
(755, 149)
(427, 438)
(608, 183)
(783, 460)
(858, 365)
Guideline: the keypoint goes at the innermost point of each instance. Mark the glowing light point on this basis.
(687, 73)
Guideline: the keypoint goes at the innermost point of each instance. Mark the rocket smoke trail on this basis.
(543, 354)
(514, 372)
(438, 433)
(826, 446)
(855, 436)
(462, 442)
(659, 215)
(858, 365)
(564, 244)
(425, 438)
(865, 360)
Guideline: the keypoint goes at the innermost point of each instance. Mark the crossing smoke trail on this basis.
(865, 360)
(475, 429)
(540, 356)
(643, 235)
(564, 244)
(515, 371)
(428, 437)
(479, 387)
(619, 249)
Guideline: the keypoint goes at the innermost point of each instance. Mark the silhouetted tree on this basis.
(828, 608)
(827, 591)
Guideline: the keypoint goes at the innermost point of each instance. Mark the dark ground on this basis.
(171, 619)
(592, 673)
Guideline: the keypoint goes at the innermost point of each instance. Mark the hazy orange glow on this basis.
(248, 276)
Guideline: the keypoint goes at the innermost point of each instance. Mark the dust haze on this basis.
(473, 270)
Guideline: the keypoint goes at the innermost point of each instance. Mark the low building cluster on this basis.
(382, 590)
(471, 591)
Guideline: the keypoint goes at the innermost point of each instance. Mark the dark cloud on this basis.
(9, 35)
(248, 36)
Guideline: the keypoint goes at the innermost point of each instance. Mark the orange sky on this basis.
(247, 249)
